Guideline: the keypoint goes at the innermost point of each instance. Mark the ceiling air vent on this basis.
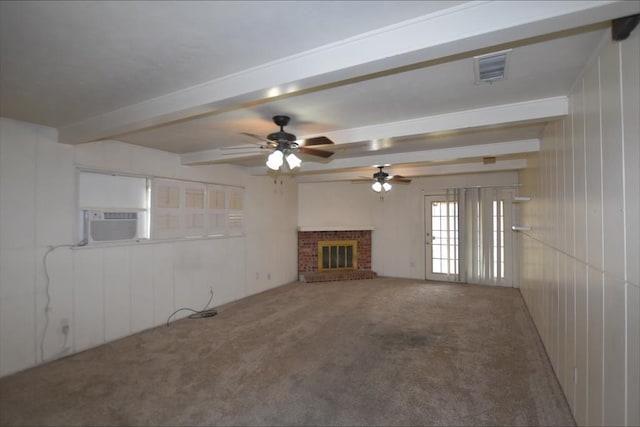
(491, 67)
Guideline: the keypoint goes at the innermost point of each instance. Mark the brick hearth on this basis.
(308, 255)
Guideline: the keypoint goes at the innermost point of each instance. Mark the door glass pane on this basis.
(444, 247)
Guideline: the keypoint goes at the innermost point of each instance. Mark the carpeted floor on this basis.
(371, 352)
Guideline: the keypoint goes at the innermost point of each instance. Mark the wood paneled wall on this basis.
(579, 264)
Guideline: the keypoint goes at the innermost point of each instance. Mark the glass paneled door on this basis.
(442, 246)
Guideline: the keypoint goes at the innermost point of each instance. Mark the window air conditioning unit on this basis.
(110, 226)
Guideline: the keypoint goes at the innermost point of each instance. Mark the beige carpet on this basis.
(371, 352)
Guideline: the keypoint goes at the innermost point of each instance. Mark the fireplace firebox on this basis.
(337, 255)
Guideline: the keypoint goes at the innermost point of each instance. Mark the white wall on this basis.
(398, 248)
(272, 233)
(585, 223)
(110, 292)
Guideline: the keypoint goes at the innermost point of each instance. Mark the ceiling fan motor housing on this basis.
(380, 176)
(282, 137)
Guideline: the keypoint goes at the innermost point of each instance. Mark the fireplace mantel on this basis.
(335, 227)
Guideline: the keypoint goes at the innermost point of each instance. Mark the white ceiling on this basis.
(387, 81)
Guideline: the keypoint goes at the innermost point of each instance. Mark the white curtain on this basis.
(485, 235)
(454, 236)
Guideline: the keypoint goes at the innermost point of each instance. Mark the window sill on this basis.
(141, 242)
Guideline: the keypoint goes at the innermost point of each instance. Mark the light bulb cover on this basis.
(293, 161)
(386, 186)
(274, 161)
(376, 186)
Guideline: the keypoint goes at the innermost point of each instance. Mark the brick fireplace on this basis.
(311, 240)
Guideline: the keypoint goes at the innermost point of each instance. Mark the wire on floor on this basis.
(47, 305)
(197, 314)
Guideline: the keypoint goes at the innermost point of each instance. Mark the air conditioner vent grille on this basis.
(491, 68)
(120, 215)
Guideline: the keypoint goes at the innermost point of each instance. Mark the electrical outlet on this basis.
(64, 325)
(268, 276)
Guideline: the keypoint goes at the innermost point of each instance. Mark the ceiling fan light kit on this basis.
(274, 161)
(293, 161)
(379, 186)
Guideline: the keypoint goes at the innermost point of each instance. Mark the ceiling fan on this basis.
(285, 144)
(382, 180)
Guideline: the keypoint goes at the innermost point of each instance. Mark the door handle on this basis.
(429, 238)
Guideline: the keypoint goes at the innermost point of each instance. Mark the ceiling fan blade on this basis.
(259, 147)
(318, 140)
(397, 179)
(316, 152)
(253, 135)
(247, 154)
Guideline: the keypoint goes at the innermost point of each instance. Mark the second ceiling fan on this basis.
(285, 144)
(382, 180)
